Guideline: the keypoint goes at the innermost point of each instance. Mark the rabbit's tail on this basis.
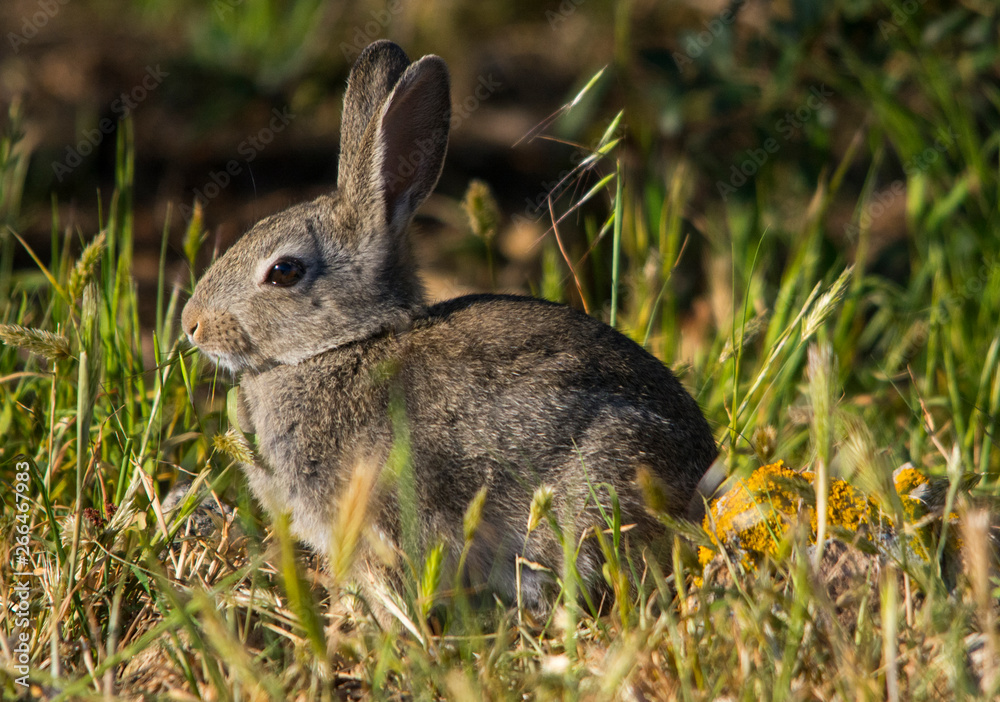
(706, 490)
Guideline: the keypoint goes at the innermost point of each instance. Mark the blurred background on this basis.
(741, 123)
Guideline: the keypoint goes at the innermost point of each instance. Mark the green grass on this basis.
(805, 337)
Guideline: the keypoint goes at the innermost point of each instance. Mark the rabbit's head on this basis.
(337, 269)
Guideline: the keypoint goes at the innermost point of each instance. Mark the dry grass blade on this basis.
(981, 567)
(820, 372)
(352, 517)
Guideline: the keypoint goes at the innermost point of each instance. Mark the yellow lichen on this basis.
(846, 507)
(752, 518)
(909, 478)
(913, 508)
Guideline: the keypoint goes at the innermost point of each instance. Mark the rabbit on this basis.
(320, 312)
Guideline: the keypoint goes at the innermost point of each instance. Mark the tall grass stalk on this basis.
(820, 370)
(616, 244)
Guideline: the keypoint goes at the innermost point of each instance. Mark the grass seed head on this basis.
(233, 445)
(474, 515)
(430, 579)
(765, 442)
(83, 271)
(195, 234)
(482, 210)
(88, 317)
(541, 506)
(826, 304)
(745, 335)
(54, 347)
(654, 492)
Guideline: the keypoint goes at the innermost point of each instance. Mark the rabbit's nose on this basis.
(190, 324)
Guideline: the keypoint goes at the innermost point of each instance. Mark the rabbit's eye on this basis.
(285, 272)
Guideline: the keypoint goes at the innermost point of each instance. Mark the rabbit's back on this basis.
(530, 380)
(546, 394)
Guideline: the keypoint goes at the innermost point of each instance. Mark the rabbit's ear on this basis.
(373, 76)
(412, 137)
(399, 158)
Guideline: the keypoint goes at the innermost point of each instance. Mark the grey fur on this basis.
(502, 391)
